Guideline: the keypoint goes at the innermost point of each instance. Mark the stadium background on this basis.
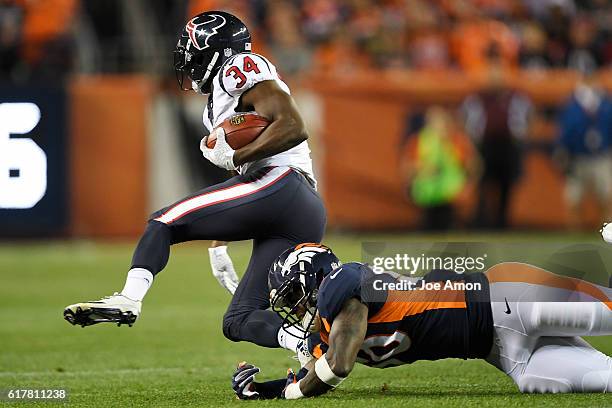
(364, 73)
(120, 140)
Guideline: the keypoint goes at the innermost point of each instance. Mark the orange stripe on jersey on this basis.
(325, 330)
(421, 295)
(326, 325)
(409, 303)
(316, 351)
(521, 272)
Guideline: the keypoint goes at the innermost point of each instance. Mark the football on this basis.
(240, 130)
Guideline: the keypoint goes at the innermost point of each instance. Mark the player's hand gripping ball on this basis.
(234, 133)
(222, 155)
(240, 130)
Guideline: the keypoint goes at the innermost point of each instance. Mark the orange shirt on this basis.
(473, 40)
(44, 20)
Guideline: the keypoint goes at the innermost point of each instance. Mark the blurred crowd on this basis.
(45, 40)
(440, 34)
(38, 37)
(449, 154)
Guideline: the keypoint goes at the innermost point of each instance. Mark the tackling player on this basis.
(523, 320)
(272, 201)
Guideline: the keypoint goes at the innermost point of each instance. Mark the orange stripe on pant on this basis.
(525, 273)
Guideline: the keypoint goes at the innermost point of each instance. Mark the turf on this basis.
(176, 355)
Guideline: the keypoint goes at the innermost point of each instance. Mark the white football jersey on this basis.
(236, 76)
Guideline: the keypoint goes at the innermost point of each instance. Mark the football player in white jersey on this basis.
(272, 200)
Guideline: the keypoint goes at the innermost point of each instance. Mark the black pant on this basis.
(438, 218)
(502, 167)
(276, 207)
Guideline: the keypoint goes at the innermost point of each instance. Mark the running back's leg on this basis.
(300, 217)
(241, 208)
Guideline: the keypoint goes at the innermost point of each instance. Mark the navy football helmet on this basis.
(294, 280)
(206, 42)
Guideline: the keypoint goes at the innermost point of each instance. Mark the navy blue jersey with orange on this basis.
(409, 325)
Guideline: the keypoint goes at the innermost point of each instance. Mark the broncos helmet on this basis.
(205, 43)
(294, 280)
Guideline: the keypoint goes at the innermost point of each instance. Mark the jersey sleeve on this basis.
(340, 285)
(244, 71)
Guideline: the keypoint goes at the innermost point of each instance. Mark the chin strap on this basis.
(196, 88)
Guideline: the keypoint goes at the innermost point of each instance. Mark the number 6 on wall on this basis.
(23, 164)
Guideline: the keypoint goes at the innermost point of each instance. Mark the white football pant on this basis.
(537, 319)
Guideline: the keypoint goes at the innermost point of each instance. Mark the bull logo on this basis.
(200, 32)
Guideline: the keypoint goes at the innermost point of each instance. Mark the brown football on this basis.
(240, 130)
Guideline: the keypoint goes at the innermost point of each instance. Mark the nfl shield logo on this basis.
(237, 120)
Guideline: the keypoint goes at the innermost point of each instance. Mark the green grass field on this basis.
(176, 355)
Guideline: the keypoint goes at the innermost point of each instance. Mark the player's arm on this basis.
(287, 129)
(347, 334)
(346, 337)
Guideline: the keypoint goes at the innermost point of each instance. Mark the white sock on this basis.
(288, 340)
(137, 284)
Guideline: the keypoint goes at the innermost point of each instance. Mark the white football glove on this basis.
(222, 155)
(223, 268)
(606, 232)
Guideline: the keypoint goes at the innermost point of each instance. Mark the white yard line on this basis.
(101, 372)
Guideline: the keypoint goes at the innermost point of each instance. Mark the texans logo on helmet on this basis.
(207, 28)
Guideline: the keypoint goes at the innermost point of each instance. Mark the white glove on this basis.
(222, 155)
(606, 232)
(223, 268)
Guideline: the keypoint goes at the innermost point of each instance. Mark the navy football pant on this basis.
(276, 207)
